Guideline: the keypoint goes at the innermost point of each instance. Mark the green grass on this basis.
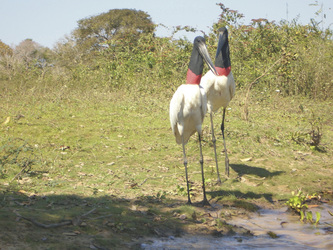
(115, 151)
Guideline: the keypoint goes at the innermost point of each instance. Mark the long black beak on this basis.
(223, 39)
(222, 58)
(205, 55)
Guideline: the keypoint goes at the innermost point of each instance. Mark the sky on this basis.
(49, 21)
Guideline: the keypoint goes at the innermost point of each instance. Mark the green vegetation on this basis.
(297, 202)
(85, 128)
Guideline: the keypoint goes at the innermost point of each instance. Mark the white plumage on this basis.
(188, 108)
(220, 89)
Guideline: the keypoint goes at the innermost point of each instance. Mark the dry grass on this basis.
(115, 152)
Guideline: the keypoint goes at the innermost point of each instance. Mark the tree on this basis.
(5, 50)
(96, 32)
(27, 51)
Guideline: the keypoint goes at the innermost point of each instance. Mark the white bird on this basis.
(220, 90)
(188, 105)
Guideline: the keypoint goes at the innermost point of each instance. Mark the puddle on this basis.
(289, 229)
(292, 234)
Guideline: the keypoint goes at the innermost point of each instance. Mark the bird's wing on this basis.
(208, 83)
(232, 85)
(176, 113)
(203, 102)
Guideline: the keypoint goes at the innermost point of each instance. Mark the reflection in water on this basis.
(292, 234)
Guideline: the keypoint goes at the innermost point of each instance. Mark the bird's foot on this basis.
(205, 202)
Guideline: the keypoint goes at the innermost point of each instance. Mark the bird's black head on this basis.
(198, 56)
(222, 58)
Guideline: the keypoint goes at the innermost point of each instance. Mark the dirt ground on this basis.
(23, 223)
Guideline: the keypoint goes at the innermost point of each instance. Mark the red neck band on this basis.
(223, 71)
(192, 78)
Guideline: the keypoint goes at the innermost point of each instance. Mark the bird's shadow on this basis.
(243, 169)
(217, 195)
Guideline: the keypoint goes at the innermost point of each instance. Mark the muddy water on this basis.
(290, 232)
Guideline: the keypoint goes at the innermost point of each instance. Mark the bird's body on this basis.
(220, 89)
(188, 106)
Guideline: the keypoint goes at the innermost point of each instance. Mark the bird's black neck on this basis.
(195, 68)
(222, 58)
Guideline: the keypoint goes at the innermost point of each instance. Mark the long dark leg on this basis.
(185, 164)
(205, 201)
(214, 144)
(225, 147)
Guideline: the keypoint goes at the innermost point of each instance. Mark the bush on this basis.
(299, 59)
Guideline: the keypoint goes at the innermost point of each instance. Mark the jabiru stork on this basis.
(188, 106)
(220, 89)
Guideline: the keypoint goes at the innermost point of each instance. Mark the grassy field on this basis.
(107, 164)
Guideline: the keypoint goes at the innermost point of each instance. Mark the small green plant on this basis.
(16, 153)
(302, 216)
(308, 217)
(181, 190)
(317, 218)
(272, 235)
(312, 137)
(161, 195)
(297, 202)
(220, 223)
(316, 131)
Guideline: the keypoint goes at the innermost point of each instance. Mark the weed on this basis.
(16, 153)
(312, 137)
(297, 202)
(221, 223)
(181, 190)
(318, 216)
(307, 216)
(272, 235)
(161, 195)
(315, 133)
